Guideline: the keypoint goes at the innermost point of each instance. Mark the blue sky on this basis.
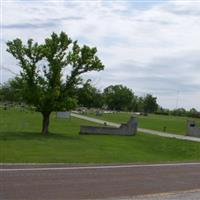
(149, 46)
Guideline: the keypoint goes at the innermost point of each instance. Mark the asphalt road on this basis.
(59, 182)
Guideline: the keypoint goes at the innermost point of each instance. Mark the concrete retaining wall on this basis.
(125, 129)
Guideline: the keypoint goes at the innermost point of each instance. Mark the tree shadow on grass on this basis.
(4, 136)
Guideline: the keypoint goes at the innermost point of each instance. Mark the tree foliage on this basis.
(89, 96)
(42, 70)
(11, 91)
(118, 97)
(150, 103)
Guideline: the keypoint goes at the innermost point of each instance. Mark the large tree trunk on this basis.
(45, 123)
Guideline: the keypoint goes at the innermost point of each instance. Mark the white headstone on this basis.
(65, 115)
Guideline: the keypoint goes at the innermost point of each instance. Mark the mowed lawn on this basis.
(22, 142)
(173, 124)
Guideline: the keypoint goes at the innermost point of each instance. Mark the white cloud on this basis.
(155, 49)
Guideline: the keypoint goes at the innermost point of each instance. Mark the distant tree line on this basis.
(113, 97)
(182, 112)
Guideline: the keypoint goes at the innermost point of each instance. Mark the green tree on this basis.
(139, 104)
(118, 97)
(179, 112)
(89, 96)
(193, 110)
(42, 66)
(150, 103)
(10, 91)
(193, 113)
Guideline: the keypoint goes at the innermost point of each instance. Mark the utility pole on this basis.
(177, 99)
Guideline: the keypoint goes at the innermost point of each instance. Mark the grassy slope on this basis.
(155, 122)
(21, 141)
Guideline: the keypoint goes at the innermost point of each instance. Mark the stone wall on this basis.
(192, 129)
(130, 128)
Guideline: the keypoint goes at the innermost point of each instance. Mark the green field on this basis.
(155, 122)
(22, 142)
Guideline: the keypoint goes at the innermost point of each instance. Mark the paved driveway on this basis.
(153, 132)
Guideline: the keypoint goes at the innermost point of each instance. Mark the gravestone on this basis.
(64, 115)
(99, 113)
(192, 129)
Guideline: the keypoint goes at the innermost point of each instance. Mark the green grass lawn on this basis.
(21, 142)
(155, 122)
